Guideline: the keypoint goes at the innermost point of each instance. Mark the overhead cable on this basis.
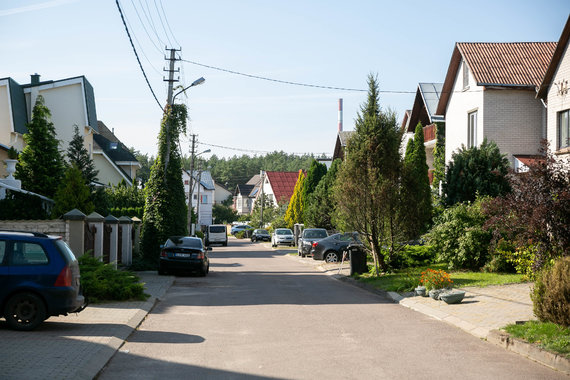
(137, 56)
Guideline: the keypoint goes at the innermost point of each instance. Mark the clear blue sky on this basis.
(329, 43)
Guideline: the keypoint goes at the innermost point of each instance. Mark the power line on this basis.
(168, 24)
(162, 23)
(262, 151)
(136, 55)
(275, 80)
(145, 30)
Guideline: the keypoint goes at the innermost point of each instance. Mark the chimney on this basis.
(35, 79)
(340, 115)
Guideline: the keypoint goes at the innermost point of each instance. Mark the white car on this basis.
(282, 236)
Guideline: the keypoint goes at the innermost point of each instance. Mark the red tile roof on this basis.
(283, 184)
(509, 64)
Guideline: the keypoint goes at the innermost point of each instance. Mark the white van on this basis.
(216, 234)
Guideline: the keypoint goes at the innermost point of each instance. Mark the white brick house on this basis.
(554, 91)
(490, 92)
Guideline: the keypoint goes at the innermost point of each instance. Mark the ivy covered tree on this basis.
(368, 183)
(477, 171)
(41, 165)
(78, 155)
(416, 208)
(320, 208)
(165, 210)
(294, 213)
(72, 193)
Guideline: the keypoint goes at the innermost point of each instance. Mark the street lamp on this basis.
(191, 191)
(195, 83)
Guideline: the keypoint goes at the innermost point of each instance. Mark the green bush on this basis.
(459, 238)
(200, 234)
(102, 282)
(244, 234)
(551, 293)
(411, 256)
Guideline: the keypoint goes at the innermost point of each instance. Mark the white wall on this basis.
(460, 103)
(558, 102)
(66, 103)
(6, 126)
(513, 119)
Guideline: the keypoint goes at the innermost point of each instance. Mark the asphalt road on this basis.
(259, 314)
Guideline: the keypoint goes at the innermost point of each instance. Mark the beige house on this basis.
(490, 92)
(554, 92)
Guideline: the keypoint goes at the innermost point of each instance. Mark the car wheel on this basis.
(204, 271)
(25, 311)
(331, 257)
(253, 240)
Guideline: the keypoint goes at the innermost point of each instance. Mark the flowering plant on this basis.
(435, 279)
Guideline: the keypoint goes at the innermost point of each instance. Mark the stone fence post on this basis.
(114, 244)
(126, 240)
(96, 220)
(75, 220)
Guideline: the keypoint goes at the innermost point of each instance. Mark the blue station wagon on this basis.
(39, 278)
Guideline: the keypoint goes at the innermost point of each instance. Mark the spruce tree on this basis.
(72, 193)
(294, 213)
(41, 165)
(165, 210)
(77, 154)
(314, 176)
(367, 186)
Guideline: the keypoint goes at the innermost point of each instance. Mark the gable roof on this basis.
(425, 105)
(283, 184)
(17, 104)
(111, 145)
(244, 190)
(499, 64)
(206, 179)
(341, 141)
(556, 57)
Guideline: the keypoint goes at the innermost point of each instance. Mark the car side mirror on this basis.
(208, 248)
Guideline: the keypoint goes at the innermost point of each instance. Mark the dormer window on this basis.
(113, 145)
(465, 75)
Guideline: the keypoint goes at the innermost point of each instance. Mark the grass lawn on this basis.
(407, 279)
(547, 335)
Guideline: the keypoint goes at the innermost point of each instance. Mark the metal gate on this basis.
(89, 239)
(106, 242)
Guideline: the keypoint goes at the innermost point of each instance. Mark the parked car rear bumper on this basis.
(182, 265)
(63, 300)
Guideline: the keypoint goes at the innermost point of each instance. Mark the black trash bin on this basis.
(357, 259)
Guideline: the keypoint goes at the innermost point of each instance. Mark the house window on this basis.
(465, 75)
(195, 196)
(203, 199)
(186, 182)
(472, 129)
(564, 129)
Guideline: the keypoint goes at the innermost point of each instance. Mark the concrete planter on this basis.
(452, 297)
(421, 291)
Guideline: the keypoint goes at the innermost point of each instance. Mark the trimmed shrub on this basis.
(102, 282)
(411, 256)
(551, 293)
(459, 238)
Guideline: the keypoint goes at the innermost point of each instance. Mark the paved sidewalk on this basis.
(76, 346)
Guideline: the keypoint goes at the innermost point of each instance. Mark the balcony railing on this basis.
(430, 132)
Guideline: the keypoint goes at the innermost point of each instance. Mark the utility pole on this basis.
(261, 174)
(170, 81)
(191, 186)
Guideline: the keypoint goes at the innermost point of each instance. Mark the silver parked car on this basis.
(282, 236)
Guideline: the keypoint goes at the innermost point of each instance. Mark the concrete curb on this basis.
(531, 351)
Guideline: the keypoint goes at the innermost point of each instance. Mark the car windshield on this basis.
(188, 242)
(217, 229)
(283, 232)
(316, 234)
(261, 232)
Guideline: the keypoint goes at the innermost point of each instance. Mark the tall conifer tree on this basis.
(77, 154)
(294, 213)
(41, 165)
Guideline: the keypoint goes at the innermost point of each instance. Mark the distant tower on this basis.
(340, 115)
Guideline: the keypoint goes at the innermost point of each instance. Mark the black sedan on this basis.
(330, 248)
(260, 235)
(184, 253)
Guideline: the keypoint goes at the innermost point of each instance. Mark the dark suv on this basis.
(39, 278)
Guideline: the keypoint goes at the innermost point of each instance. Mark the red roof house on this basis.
(279, 186)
